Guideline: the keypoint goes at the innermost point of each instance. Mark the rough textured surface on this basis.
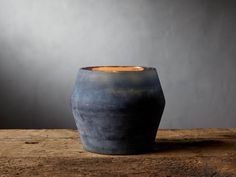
(197, 152)
(117, 112)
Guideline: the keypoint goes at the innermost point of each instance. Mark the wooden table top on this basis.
(177, 153)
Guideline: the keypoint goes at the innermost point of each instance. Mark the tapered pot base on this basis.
(113, 147)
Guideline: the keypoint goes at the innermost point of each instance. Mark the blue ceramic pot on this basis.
(117, 109)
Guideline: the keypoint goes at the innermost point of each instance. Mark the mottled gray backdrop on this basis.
(192, 43)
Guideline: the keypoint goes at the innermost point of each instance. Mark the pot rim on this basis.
(138, 67)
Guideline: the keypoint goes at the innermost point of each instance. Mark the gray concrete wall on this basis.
(192, 43)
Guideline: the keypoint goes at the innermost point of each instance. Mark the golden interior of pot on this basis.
(118, 68)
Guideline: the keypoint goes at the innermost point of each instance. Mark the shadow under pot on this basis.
(117, 109)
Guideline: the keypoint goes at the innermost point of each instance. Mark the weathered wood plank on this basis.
(195, 152)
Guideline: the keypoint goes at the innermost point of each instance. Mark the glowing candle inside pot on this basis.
(117, 68)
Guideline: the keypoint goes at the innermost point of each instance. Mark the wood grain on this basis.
(177, 153)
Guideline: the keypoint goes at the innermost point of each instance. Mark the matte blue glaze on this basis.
(117, 112)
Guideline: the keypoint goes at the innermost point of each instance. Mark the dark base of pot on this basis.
(114, 147)
(129, 152)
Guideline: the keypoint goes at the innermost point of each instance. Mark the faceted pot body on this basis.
(117, 110)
